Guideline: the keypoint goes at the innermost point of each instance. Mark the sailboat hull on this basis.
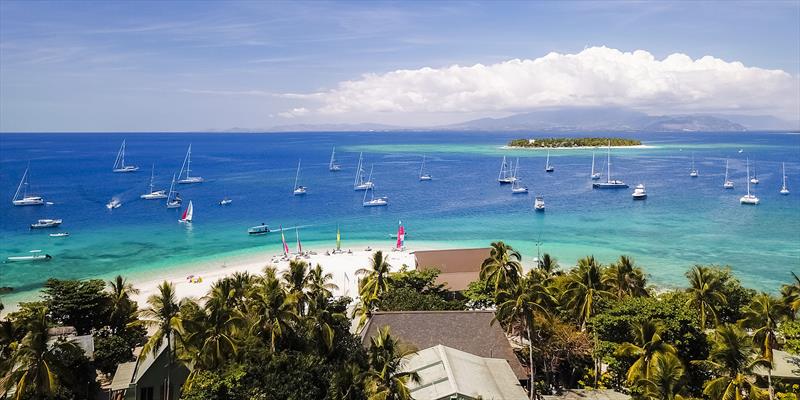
(609, 185)
(194, 179)
(29, 201)
(127, 168)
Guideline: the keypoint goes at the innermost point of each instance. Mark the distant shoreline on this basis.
(638, 146)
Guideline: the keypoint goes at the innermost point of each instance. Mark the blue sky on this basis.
(129, 66)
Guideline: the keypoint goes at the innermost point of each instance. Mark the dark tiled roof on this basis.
(458, 267)
(468, 331)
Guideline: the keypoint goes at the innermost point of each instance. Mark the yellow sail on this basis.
(338, 239)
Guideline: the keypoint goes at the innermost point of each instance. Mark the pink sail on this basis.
(285, 246)
(401, 236)
(299, 246)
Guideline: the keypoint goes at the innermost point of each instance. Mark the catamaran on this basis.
(374, 201)
(154, 194)
(119, 163)
(25, 199)
(360, 183)
(424, 176)
(516, 188)
(186, 168)
(46, 223)
(595, 175)
(173, 199)
(547, 166)
(609, 183)
(749, 198)
(35, 256)
(639, 192)
(784, 188)
(754, 179)
(505, 177)
(728, 183)
(538, 203)
(333, 166)
(298, 190)
(693, 172)
(187, 214)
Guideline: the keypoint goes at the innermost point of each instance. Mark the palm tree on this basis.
(371, 286)
(122, 308)
(647, 345)
(762, 316)
(385, 379)
(583, 287)
(626, 279)
(666, 379)
(521, 303)
(274, 312)
(548, 266)
(163, 314)
(790, 293)
(705, 293)
(318, 284)
(731, 358)
(295, 279)
(503, 267)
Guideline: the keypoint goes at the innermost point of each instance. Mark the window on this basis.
(146, 393)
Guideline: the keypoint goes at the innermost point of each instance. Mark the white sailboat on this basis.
(423, 176)
(188, 213)
(186, 168)
(360, 183)
(728, 183)
(505, 177)
(21, 196)
(516, 188)
(754, 179)
(119, 163)
(173, 199)
(639, 192)
(784, 188)
(373, 201)
(595, 175)
(693, 173)
(749, 198)
(609, 183)
(298, 190)
(547, 166)
(154, 194)
(333, 166)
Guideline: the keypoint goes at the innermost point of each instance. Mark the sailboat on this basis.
(504, 177)
(299, 245)
(595, 175)
(609, 183)
(173, 199)
(154, 194)
(754, 179)
(21, 196)
(298, 190)
(516, 188)
(360, 183)
(728, 183)
(333, 166)
(693, 173)
(423, 176)
(374, 201)
(187, 214)
(401, 237)
(749, 198)
(784, 188)
(186, 168)
(119, 163)
(547, 166)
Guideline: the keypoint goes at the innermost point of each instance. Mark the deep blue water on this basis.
(684, 221)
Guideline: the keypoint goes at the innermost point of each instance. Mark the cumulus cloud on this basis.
(295, 112)
(597, 76)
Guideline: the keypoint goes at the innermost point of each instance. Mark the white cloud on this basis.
(295, 112)
(596, 76)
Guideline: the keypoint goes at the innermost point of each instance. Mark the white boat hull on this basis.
(425, 178)
(784, 191)
(29, 201)
(728, 185)
(610, 185)
(159, 194)
(379, 202)
(188, 181)
(364, 186)
(754, 181)
(127, 168)
(749, 200)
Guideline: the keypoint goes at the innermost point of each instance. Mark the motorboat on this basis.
(114, 203)
(258, 230)
(119, 163)
(59, 234)
(639, 192)
(538, 203)
(36, 255)
(21, 196)
(46, 223)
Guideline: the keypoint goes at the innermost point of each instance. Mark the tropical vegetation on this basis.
(573, 142)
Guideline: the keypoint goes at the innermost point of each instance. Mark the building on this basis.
(588, 394)
(785, 368)
(146, 378)
(69, 334)
(469, 331)
(458, 267)
(449, 374)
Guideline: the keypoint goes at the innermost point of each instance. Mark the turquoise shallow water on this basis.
(684, 221)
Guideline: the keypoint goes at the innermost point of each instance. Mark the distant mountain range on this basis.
(573, 119)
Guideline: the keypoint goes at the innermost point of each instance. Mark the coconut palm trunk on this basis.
(532, 383)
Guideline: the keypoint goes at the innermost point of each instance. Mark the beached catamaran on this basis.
(119, 163)
(173, 200)
(784, 188)
(374, 201)
(609, 183)
(728, 183)
(188, 213)
(595, 175)
(186, 168)
(505, 176)
(749, 198)
(360, 183)
(423, 176)
(298, 190)
(21, 196)
(333, 166)
(154, 194)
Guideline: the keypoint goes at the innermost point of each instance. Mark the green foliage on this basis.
(790, 331)
(573, 142)
(738, 297)
(479, 294)
(222, 385)
(414, 290)
(83, 304)
(109, 351)
(76, 376)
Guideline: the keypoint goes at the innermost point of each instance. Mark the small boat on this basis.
(538, 203)
(516, 188)
(225, 201)
(333, 166)
(186, 168)
(258, 230)
(59, 234)
(298, 190)
(728, 183)
(21, 197)
(609, 183)
(119, 163)
(784, 188)
(754, 179)
(154, 194)
(114, 203)
(173, 199)
(693, 172)
(360, 183)
(505, 177)
(35, 256)
(595, 175)
(374, 201)
(424, 176)
(187, 214)
(46, 223)
(639, 192)
(547, 166)
(749, 199)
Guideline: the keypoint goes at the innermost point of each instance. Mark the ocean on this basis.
(684, 221)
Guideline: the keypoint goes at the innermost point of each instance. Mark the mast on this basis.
(152, 172)
(23, 184)
(422, 167)
(369, 187)
(297, 175)
(726, 170)
(783, 164)
(171, 189)
(359, 170)
(122, 153)
(608, 157)
(592, 163)
(748, 177)
(188, 161)
(547, 163)
(502, 169)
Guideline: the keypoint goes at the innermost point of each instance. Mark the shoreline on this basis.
(638, 146)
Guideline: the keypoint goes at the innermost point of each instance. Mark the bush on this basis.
(109, 351)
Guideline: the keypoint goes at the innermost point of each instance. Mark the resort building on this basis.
(459, 267)
(69, 334)
(785, 368)
(146, 378)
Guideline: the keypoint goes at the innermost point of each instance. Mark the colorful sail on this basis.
(401, 236)
(338, 239)
(285, 246)
(187, 213)
(299, 246)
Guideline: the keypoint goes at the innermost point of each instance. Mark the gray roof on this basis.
(123, 376)
(785, 365)
(469, 331)
(84, 342)
(589, 394)
(446, 372)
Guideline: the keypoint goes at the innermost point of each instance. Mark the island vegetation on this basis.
(285, 336)
(552, 143)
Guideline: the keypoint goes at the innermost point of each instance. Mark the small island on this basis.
(573, 142)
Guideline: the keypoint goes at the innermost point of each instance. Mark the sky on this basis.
(185, 66)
